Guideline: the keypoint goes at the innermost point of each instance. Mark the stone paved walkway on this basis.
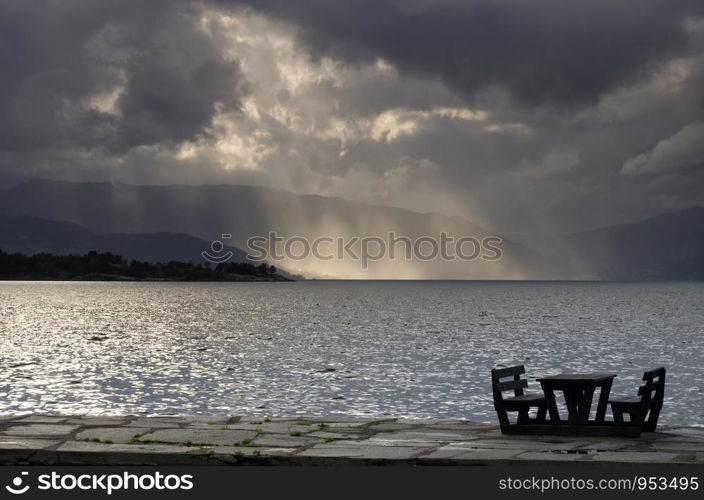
(317, 441)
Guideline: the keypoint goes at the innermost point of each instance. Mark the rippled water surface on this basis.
(416, 349)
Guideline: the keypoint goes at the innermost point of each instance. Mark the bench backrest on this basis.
(653, 390)
(514, 383)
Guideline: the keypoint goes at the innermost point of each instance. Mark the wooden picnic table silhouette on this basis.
(578, 389)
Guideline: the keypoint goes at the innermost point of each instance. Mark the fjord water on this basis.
(409, 348)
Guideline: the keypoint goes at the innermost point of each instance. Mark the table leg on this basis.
(552, 406)
(585, 405)
(572, 399)
(604, 391)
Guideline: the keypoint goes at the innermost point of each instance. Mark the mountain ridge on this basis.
(664, 246)
(244, 211)
(30, 235)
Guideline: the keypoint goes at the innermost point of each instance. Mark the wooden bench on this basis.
(520, 402)
(647, 403)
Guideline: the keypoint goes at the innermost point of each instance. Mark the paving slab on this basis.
(40, 430)
(364, 452)
(391, 426)
(96, 421)
(283, 441)
(213, 437)
(251, 451)
(206, 419)
(346, 425)
(335, 435)
(120, 435)
(412, 444)
(437, 436)
(40, 419)
(516, 444)
(610, 445)
(152, 422)
(346, 420)
(462, 426)
(19, 443)
(429, 421)
(262, 419)
(274, 427)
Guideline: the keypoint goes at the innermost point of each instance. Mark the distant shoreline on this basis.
(95, 266)
(116, 277)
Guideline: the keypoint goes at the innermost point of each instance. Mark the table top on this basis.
(578, 377)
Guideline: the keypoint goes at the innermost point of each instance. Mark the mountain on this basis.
(29, 235)
(669, 246)
(207, 212)
(177, 222)
(665, 247)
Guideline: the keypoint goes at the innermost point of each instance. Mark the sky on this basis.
(544, 116)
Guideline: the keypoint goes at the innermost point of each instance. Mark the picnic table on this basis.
(578, 389)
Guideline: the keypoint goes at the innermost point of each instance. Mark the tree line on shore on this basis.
(66, 267)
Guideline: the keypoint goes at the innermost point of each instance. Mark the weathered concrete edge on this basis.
(200, 458)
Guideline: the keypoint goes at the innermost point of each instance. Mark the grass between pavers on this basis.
(96, 440)
(137, 439)
(234, 420)
(319, 425)
(172, 443)
(137, 436)
(245, 443)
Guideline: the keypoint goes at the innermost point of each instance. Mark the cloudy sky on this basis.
(548, 115)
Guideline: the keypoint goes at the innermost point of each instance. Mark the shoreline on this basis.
(239, 440)
(121, 279)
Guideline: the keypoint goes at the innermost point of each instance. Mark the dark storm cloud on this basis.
(564, 53)
(408, 103)
(112, 75)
